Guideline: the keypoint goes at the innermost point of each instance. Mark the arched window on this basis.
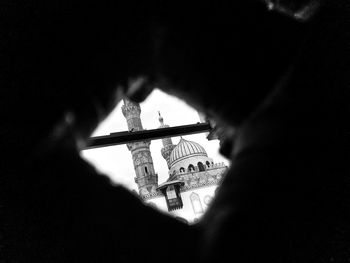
(207, 163)
(182, 170)
(190, 168)
(196, 203)
(200, 166)
(146, 170)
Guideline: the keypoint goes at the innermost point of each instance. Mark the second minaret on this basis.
(146, 178)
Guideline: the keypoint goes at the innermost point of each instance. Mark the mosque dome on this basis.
(186, 149)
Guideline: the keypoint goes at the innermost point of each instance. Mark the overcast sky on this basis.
(116, 161)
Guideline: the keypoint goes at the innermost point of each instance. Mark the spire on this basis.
(167, 143)
(161, 120)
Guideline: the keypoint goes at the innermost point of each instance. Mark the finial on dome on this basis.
(160, 118)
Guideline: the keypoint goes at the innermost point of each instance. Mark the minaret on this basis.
(168, 145)
(146, 178)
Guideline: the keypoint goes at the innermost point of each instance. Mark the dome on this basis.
(186, 149)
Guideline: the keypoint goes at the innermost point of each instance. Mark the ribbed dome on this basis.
(186, 149)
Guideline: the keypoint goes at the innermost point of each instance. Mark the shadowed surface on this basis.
(283, 84)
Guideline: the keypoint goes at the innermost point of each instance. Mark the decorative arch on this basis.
(196, 203)
(200, 166)
(190, 168)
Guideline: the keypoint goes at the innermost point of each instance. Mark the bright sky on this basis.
(116, 161)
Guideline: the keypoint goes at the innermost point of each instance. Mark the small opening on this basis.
(200, 166)
(123, 162)
(191, 168)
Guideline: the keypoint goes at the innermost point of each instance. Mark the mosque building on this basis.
(193, 177)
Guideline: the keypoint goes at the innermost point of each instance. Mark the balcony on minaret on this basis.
(168, 145)
(147, 181)
(132, 111)
(139, 144)
(130, 108)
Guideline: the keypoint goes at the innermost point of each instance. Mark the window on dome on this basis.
(191, 168)
(208, 164)
(146, 170)
(200, 166)
(182, 170)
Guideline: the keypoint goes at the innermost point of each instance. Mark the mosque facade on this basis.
(193, 177)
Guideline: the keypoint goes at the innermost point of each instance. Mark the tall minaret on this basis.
(146, 178)
(168, 145)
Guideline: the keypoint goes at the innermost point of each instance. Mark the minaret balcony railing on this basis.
(147, 176)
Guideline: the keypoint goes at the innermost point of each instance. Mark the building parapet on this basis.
(194, 184)
(200, 185)
(152, 195)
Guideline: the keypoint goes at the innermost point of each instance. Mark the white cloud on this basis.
(116, 162)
